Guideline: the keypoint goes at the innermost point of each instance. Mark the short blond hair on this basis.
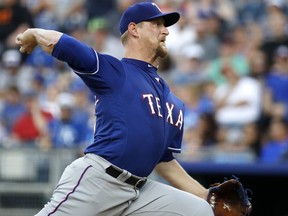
(124, 36)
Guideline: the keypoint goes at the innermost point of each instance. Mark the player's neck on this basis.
(142, 56)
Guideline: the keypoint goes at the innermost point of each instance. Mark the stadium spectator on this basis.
(227, 54)
(209, 41)
(13, 72)
(274, 30)
(182, 34)
(102, 40)
(12, 108)
(31, 128)
(236, 146)
(64, 130)
(238, 101)
(43, 13)
(14, 18)
(276, 83)
(275, 147)
(93, 9)
(83, 113)
(190, 67)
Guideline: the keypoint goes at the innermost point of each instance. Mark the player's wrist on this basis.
(205, 194)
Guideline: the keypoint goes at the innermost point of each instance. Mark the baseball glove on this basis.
(229, 199)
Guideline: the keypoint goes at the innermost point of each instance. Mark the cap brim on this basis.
(169, 18)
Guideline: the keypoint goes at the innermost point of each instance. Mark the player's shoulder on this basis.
(108, 57)
(176, 99)
(109, 61)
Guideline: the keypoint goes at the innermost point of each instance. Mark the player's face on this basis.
(153, 35)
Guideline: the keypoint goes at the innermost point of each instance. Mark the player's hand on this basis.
(26, 41)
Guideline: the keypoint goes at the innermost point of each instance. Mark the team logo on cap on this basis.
(156, 7)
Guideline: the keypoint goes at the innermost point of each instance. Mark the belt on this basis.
(133, 180)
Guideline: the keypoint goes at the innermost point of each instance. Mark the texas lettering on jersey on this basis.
(155, 102)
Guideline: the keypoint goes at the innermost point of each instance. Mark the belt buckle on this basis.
(139, 184)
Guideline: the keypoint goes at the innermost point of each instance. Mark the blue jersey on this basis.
(139, 122)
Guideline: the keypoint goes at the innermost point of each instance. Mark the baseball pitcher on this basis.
(139, 125)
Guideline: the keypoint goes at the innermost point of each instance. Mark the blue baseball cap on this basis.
(145, 11)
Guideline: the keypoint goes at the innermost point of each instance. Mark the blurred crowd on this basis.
(228, 62)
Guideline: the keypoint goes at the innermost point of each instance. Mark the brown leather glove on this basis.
(229, 199)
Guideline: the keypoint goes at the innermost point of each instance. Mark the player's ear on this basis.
(133, 29)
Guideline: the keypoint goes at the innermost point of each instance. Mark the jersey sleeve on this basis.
(174, 146)
(168, 156)
(101, 73)
(76, 54)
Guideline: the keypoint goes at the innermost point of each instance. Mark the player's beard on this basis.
(162, 51)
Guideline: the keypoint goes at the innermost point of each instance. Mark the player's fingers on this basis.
(22, 49)
(18, 39)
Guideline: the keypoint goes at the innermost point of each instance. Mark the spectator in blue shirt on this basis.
(275, 149)
(65, 131)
